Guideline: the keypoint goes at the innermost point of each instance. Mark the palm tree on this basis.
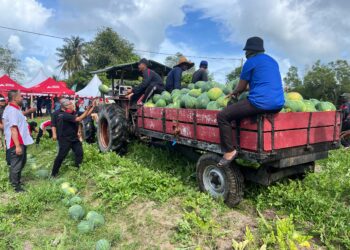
(70, 55)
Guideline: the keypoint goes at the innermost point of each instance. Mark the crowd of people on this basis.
(16, 132)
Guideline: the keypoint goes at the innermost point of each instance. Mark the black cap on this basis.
(144, 61)
(255, 44)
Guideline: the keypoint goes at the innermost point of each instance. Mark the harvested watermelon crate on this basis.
(282, 144)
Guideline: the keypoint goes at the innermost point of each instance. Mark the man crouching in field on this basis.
(17, 137)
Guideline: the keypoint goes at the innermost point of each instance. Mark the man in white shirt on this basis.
(17, 137)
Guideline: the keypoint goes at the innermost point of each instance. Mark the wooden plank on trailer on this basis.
(207, 117)
(322, 119)
(321, 134)
(139, 122)
(153, 124)
(286, 139)
(248, 140)
(208, 134)
(153, 112)
(287, 121)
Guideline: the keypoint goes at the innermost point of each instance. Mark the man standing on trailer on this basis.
(173, 80)
(151, 84)
(202, 73)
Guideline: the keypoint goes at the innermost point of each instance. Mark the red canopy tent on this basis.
(50, 86)
(7, 84)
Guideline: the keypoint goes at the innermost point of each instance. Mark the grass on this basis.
(150, 200)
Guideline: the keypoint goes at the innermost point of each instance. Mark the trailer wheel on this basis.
(112, 129)
(226, 183)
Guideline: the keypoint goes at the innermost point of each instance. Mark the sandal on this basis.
(225, 163)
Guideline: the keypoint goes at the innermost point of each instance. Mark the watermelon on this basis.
(247, 163)
(42, 173)
(70, 191)
(176, 97)
(202, 101)
(190, 102)
(294, 96)
(214, 93)
(223, 101)
(227, 90)
(65, 202)
(149, 105)
(175, 92)
(85, 227)
(103, 244)
(103, 89)
(184, 91)
(65, 185)
(166, 96)
(315, 101)
(182, 100)
(195, 92)
(213, 105)
(309, 106)
(161, 103)
(200, 84)
(190, 86)
(243, 96)
(176, 104)
(76, 212)
(206, 87)
(156, 98)
(75, 200)
(96, 218)
(295, 106)
(325, 106)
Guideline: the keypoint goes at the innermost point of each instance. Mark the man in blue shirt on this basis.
(173, 80)
(261, 73)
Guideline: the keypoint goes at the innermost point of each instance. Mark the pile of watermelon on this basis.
(294, 102)
(201, 95)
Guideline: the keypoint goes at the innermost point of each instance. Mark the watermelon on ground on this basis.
(103, 244)
(202, 101)
(247, 163)
(214, 93)
(195, 92)
(96, 218)
(75, 200)
(213, 105)
(76, 212)
(85, 227)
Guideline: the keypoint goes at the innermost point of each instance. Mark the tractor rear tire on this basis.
(88, 130)
(226, 183)
(112, 129)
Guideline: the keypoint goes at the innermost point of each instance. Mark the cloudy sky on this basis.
(295, 32)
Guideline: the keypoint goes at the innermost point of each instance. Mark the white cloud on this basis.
(14, 43)
(33, 65)
(301, 30)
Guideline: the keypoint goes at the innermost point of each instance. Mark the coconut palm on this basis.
(70, 55)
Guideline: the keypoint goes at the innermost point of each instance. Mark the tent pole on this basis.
(31, 105)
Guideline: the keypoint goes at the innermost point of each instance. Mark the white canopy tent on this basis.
(40, 77)
(91, 89)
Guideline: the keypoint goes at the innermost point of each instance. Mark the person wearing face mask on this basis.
(67, 125)
(173, 80)
(261, 74)
(17, 138)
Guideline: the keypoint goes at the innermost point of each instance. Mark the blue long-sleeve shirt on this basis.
(173, 80)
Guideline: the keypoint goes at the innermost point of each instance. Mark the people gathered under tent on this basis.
(202, 73)
(261, 73)
(151, 84)
(173, 80)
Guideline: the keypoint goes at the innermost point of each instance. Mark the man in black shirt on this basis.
(67, 124)
(202, 73)
(151, 84)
